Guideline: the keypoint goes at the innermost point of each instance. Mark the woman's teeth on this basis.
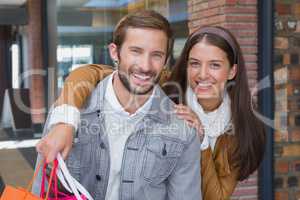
(204, 84)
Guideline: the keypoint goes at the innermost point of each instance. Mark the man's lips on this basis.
(141, 79)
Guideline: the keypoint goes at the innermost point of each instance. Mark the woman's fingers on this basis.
(186, 116)
(182, 108)
(185, 113)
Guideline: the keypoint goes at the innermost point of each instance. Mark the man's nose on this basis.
(145, 64)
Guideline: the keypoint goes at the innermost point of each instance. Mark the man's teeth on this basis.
(142, 77)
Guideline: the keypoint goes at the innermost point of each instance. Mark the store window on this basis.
(85, 29)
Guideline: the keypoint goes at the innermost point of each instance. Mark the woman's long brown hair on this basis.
(249, 132)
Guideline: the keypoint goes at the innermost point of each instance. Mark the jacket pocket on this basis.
(161, 156)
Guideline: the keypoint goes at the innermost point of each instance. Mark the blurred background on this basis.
(41, 41)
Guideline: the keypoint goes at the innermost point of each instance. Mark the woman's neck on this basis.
(209, 105)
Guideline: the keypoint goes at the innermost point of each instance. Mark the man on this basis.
(130, 144)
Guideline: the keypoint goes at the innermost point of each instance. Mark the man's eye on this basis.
(194, 64)
(215, 65)
(135, 51)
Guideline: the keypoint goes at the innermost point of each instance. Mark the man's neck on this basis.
(129, 101)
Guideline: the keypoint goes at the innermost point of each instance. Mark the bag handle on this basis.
(29, 187)
(68, 176)
(73, 183)
(52, 175)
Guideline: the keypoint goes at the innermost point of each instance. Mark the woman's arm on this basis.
(218, 178)
(80, 84)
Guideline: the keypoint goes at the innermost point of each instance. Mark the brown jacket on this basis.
(218, 177)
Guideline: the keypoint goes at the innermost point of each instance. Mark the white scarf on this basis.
(215, 123)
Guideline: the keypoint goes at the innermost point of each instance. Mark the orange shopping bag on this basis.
(11, 193)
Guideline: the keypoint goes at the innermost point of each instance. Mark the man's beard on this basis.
(124, 77)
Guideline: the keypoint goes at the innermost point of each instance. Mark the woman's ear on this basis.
(113, 51)
(232, 72)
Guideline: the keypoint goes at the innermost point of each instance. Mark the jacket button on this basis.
(102, 145)
(98, 177)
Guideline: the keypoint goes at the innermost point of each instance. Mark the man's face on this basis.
(141, 59)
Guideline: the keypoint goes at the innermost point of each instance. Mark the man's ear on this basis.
(113, 51)
(232, 72)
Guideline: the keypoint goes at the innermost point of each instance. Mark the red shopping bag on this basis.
(55, 193)
(12, 193)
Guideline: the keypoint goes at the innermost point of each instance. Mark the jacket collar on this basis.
(160, 110)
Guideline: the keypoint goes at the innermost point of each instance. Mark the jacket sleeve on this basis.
(218, 179)
(185, 180)
(80, 84)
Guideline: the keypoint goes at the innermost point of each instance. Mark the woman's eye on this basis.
(158, 56)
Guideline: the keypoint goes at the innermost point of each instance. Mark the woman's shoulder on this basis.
(226, 143)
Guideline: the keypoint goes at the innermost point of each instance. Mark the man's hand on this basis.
(59, 139)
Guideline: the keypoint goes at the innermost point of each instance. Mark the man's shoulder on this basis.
(96, 98)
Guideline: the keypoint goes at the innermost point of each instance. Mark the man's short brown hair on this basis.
(143, 19)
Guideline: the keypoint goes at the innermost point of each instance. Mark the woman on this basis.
(216, 100)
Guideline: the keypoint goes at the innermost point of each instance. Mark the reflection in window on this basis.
(70, 57)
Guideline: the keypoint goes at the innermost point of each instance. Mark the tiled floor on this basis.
(16, 164)
(15, 169)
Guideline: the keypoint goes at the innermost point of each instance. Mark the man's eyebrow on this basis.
(135, 47)
(194, 59)
(141, 49)
(160, 52)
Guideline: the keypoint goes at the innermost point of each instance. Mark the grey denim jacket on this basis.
(161, 159)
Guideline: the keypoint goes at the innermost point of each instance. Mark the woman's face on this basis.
(208, 71)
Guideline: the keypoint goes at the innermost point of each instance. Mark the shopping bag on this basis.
(12, 193)
(54, 192)
(61, 173)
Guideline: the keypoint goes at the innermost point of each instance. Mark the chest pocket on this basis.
(161, 156)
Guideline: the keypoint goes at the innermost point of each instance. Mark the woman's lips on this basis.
(203, 87)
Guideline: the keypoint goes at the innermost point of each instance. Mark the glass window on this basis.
(85, 28)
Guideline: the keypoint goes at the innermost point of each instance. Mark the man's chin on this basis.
(142, 90)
